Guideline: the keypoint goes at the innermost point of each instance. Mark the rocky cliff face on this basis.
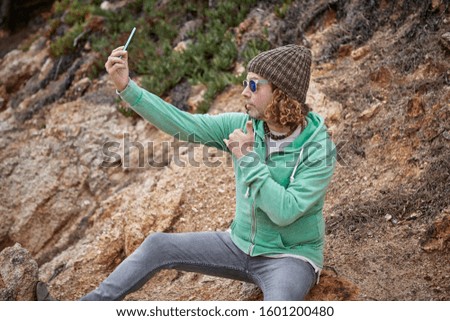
(70, 213)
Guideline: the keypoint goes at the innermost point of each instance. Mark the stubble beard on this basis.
(253, 112)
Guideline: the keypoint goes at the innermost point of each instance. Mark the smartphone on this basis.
(129, 39)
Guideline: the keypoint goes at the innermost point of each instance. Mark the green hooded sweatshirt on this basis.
(279, 199)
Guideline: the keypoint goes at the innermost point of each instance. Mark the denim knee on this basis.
(154, 242)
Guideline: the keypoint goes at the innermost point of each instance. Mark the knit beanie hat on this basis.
(287, 67)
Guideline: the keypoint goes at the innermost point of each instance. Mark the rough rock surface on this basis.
(18, 274)
(81, 185)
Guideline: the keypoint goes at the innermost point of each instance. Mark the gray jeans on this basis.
(212, 253)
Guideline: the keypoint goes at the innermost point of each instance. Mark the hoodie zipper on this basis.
(253, 228)
(253, 231)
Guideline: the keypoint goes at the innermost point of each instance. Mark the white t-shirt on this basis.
(278, 145)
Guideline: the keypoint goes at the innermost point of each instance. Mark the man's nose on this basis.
(246, 92)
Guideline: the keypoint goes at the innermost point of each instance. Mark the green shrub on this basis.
(280, 10)
(254, 47)
(65, 44)
(127, 112)
(209, 59)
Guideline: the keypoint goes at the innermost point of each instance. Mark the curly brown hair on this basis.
(286, 111)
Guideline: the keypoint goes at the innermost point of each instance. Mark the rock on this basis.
(239, 69)
(446, 135)
(35, 100)
(7, 223)
(415, 107)
(370, 112)
(437, 237)
(445, 40)
(182, 45)
(382, 76)
(79, 88)
(345, 50)
(112, 5)
(187, 29)
(19, 274)
(212, 3)
(330, 109)
(105, 5)
(197, 96)
(333, 287)
(436, 3)
(180, 94)
(22, 68)
(360, 52)
(414, 216)
(23, 65)
(245, 25)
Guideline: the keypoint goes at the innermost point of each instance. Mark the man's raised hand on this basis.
(117, 68)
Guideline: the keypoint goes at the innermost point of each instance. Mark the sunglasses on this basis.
(253, 84)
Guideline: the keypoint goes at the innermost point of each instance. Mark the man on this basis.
(283, 161)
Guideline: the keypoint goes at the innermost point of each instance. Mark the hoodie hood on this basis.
(314, 131)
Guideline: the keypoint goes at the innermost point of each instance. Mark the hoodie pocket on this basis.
(269, 239)
(304, 231)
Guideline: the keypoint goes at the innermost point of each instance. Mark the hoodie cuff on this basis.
(132, 93)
